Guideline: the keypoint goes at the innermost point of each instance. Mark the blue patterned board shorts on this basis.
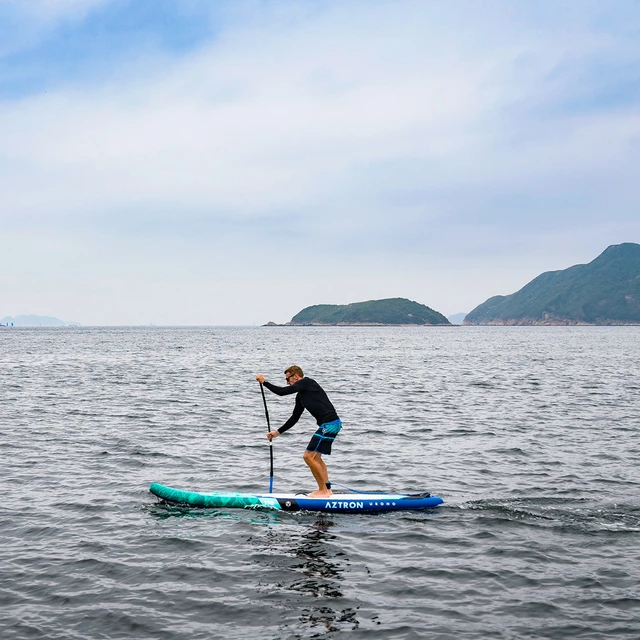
(323, 438)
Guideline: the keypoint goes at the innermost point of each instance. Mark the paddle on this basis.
(266, 413)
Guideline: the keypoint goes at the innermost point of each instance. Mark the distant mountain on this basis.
(457, 318)
(373, 312)
(35, 321)
(604, 292)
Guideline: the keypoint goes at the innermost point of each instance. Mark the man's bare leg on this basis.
(319, 470)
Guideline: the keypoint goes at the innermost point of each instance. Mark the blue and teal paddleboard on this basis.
(340, 502)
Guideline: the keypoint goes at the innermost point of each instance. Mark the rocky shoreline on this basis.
(566, 322)
(353, 324)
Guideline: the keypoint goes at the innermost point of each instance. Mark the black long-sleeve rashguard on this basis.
(311, 396)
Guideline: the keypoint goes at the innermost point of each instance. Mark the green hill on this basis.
(604, 292)
(372, 312)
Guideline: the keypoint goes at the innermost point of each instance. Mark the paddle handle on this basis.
(266, 413)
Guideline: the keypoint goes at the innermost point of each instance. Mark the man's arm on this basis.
(280, 391)
(295, 416)
(286, 391)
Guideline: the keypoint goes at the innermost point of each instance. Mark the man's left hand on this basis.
(260, 378)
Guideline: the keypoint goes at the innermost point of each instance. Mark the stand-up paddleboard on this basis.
(341, 502)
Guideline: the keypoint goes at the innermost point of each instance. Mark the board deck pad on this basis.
(340, 502)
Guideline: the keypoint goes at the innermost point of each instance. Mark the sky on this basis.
(230, 162)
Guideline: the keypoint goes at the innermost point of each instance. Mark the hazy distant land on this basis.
(36, 321)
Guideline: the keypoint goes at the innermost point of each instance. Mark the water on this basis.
(531, 436)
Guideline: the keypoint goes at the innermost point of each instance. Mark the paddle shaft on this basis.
(266, 413)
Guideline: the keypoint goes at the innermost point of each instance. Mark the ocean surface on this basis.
(531, 435)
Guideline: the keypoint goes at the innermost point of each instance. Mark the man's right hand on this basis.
(260, 378)
(273, 434)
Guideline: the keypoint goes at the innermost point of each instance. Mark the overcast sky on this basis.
(231, 162)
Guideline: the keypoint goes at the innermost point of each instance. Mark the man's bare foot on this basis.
(325, 493)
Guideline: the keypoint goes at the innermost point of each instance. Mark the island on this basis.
(606, 291)
(390, 311)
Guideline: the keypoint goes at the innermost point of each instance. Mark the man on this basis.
(310, 396)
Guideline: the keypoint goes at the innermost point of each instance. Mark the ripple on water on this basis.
(531, 435)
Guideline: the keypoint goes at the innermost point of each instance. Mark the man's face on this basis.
(292, 378)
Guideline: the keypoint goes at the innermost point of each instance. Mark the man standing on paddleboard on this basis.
(310, 396)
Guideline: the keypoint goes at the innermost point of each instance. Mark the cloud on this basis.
(230, 127)
(378, 134)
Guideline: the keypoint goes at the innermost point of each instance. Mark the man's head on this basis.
(293, 374)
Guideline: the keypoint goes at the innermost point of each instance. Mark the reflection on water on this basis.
(314, 572)
(163, 511)
(301, 555)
